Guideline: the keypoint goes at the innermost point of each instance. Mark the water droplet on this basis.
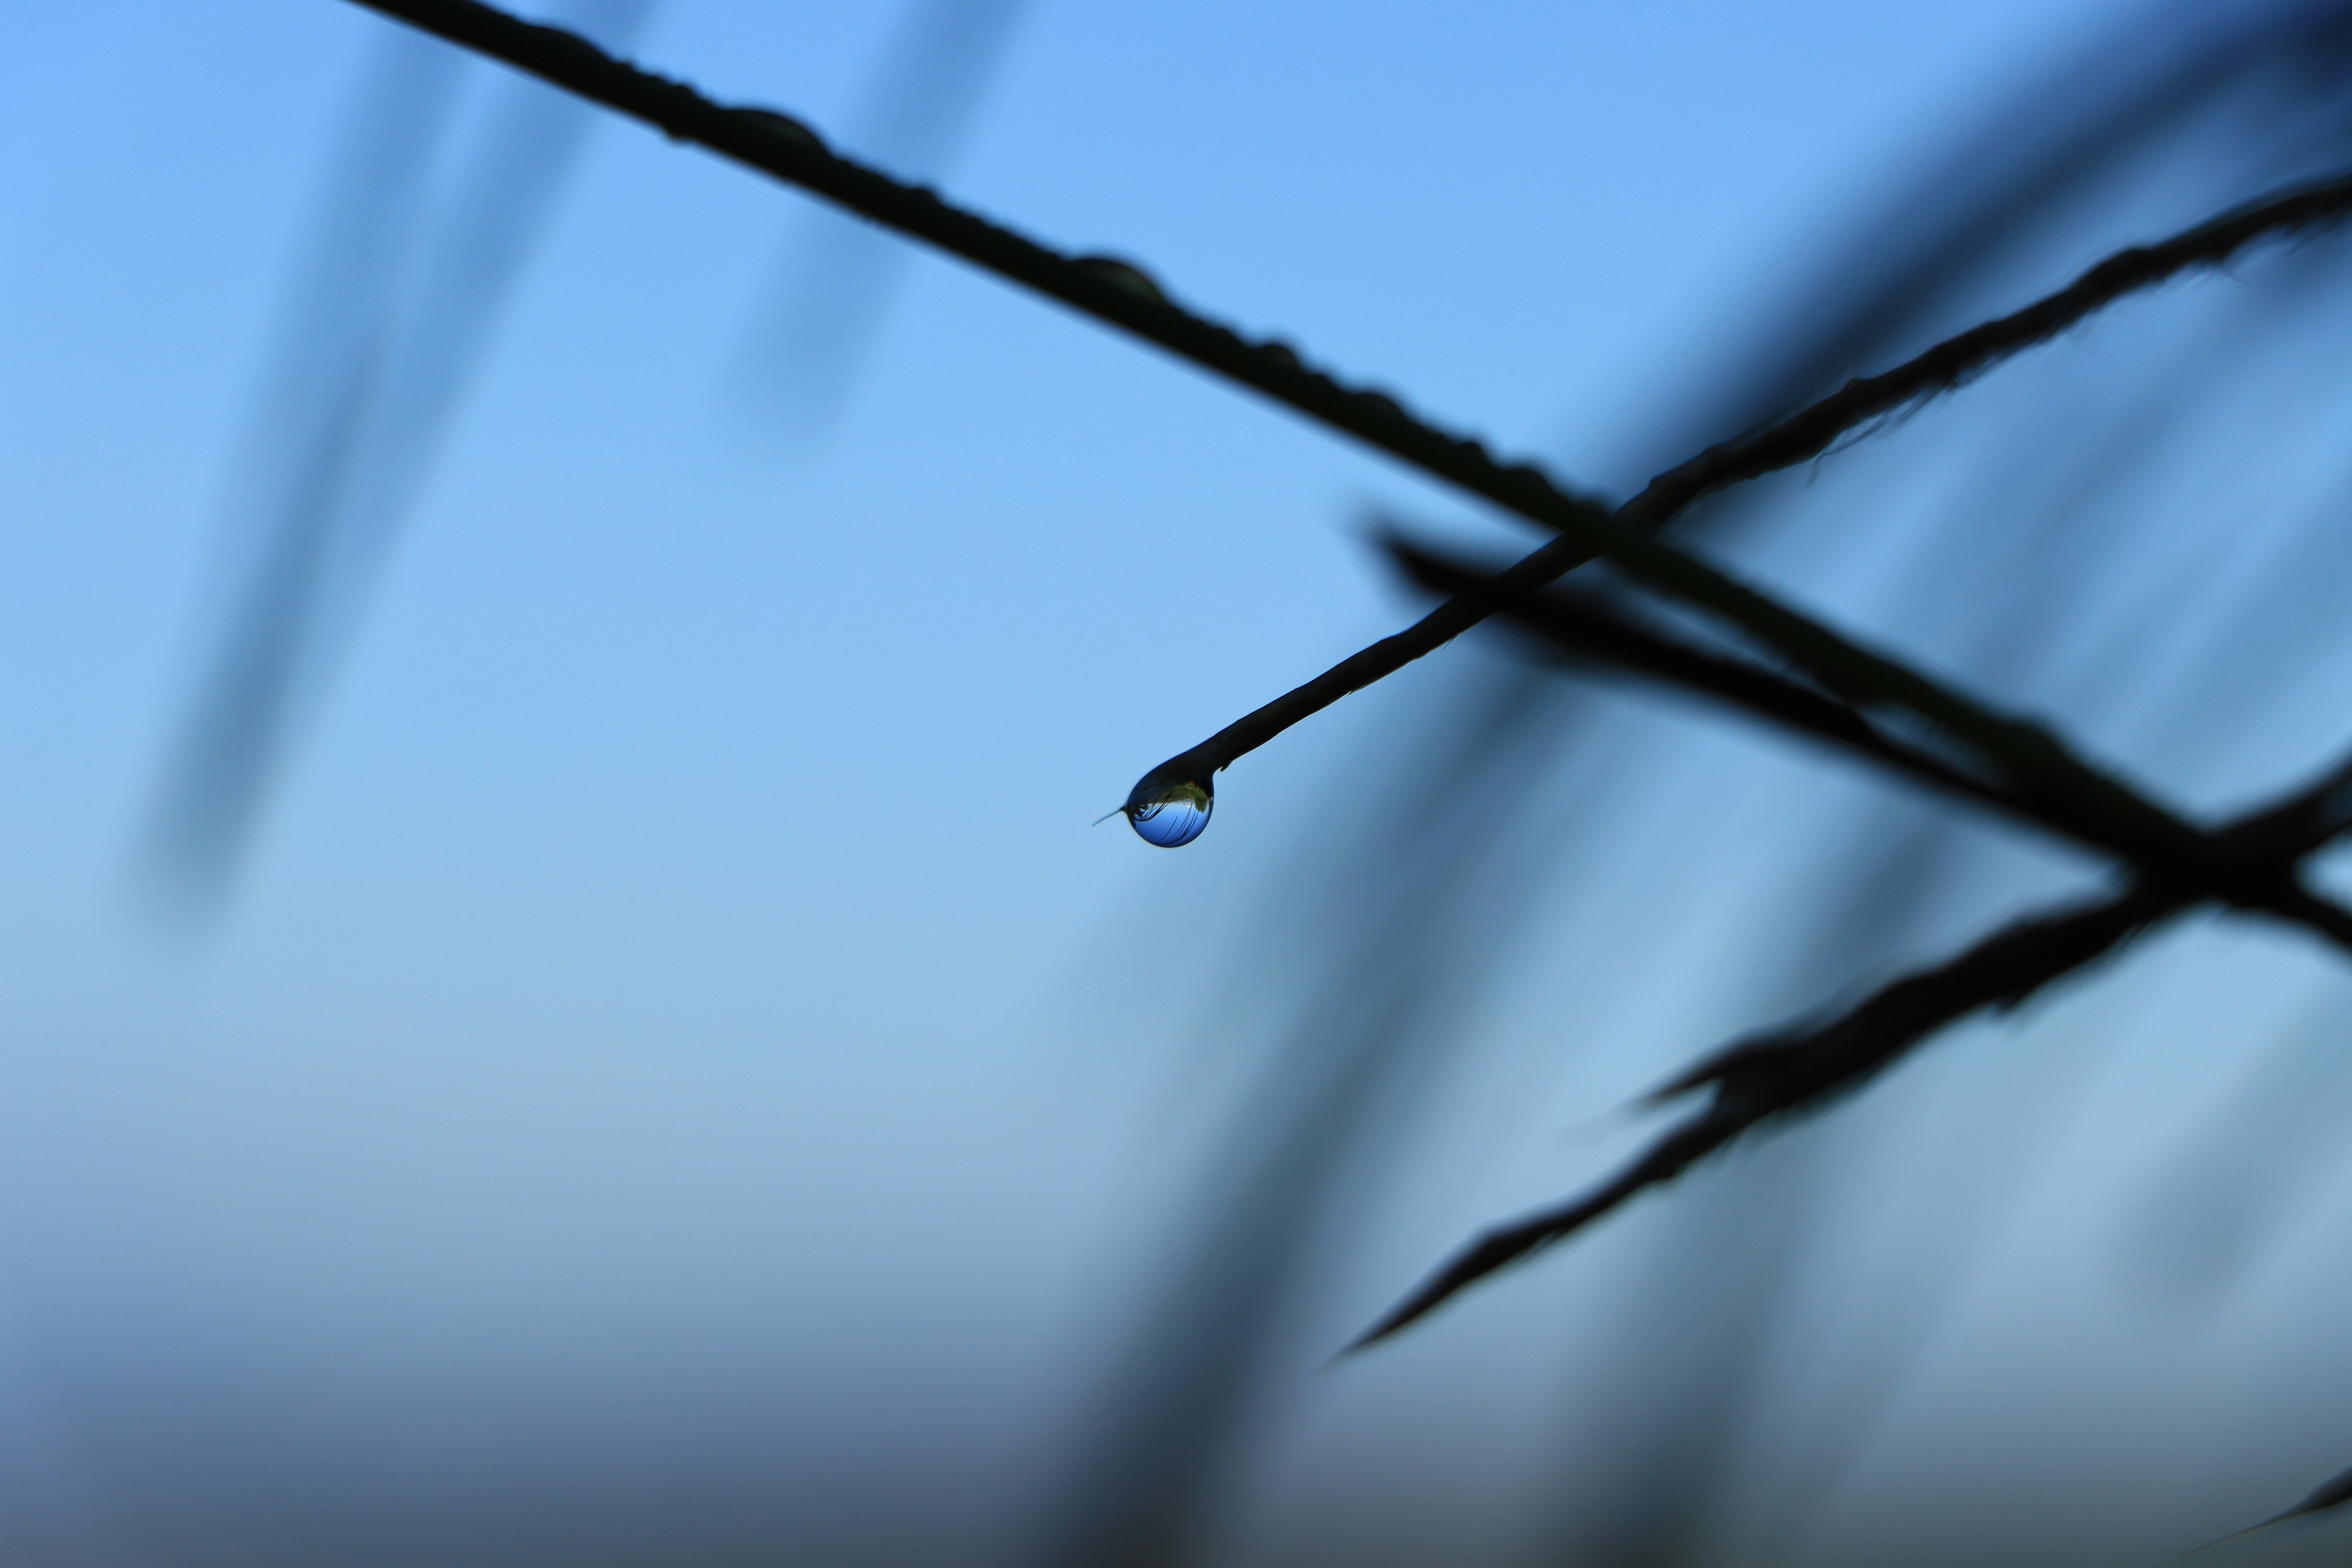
(1121, 273)
(1532, 480)
(578, 53)
(1170, 816)
(783, 128)
(1281, 353)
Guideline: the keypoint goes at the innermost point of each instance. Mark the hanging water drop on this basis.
(1120, 273)
(782, 129)
(1169, 814)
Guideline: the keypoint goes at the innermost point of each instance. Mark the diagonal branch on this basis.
(1956, 361)
(1802, 1068)
(1120, 294)
(2239, 866)
(1804, 434)
(1115, 293)
(1585, 626)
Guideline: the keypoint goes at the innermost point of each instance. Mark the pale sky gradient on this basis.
(679, 1015)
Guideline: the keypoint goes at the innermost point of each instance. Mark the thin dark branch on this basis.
(1121, 295)
(1584, 626)
(1803, 436)
(2238, 867)
(1802, 1068)
(2331, 1494)
(1115, 293)
(2027, 755)
(1956, 361)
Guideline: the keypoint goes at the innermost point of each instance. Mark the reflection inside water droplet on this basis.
(1171, 817)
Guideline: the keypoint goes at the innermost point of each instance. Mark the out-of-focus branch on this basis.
(1802, 1068)
(2331, 1494)
(1587, 627)
(2238, 867)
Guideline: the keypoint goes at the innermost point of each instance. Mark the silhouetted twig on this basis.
(2331, 1494)
(1803, 436)
(2237, 866)
(1125, 296)
(1956, 361)
(1586, 626)
(1113, 291)
(1803, 1066)
(1799, 1068)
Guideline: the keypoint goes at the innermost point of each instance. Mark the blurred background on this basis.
(559, 1000)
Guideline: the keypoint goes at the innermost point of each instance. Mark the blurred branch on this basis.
(1802, 1068)
(827, 302)
(414, 258)
(2238, 866)
(2331, 1494)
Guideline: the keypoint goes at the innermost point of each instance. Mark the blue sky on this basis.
(667, 999)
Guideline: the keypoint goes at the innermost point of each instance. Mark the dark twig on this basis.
(1802, 1068)
(1803, 436)
(1115, 293)
(1956, 361)
(1582, 626)
(2331, 1494)
(2238, 866)
(1122, 294)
